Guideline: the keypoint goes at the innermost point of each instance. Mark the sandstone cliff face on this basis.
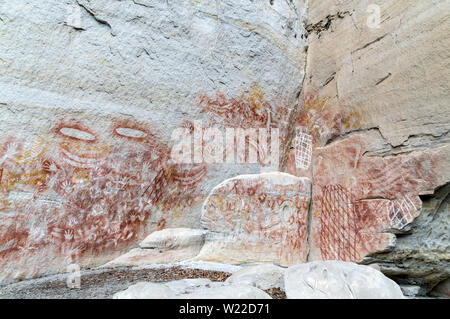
(90, 95)
(375, 103)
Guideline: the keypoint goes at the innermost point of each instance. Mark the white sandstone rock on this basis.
(191, 289)
(263, 276)
(410, 290)
(119, 78)
(338, 280)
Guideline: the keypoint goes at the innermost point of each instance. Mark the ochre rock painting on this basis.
(250, 110)
(324, 120)
(73, 196)
(360, 201)
(260, 217)
(80, 195)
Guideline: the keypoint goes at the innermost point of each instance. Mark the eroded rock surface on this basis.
(145, 290)
(139, 256)
(421, 255)
(359, 200)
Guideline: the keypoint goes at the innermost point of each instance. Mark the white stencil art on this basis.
(400, 212)
(303, 149)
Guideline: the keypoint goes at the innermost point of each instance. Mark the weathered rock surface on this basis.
(185, 286)
(338, 280)
(386, 76)
(90, 96)
(259, 217)
(91, 92)
(172, 238)
(265, 276)
(191, 289)
(411, 291)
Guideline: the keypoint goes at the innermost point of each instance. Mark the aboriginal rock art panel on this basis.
(359, 201)
(259, 217)
(303, 149)
(401, 212)
(229, 146)
(250, 110)
(324, 120)
(316, 122)
(79, 193)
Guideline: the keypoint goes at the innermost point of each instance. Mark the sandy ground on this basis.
(104, 283)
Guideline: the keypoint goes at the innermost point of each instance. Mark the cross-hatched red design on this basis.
(339, 233)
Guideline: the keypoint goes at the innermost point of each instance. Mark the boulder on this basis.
(186, 286)
(145, 290)
(265, 276)
(191, 289)
(377, 123)
(442, 289)
(338, 280)
(163, 247)
(411, 290)
(139, 256)
(257, 218)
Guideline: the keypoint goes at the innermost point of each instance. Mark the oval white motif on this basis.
(78, 134)
(130, 132)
